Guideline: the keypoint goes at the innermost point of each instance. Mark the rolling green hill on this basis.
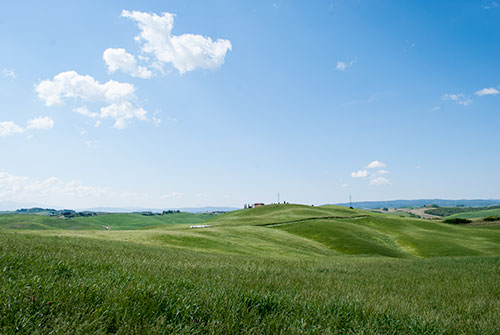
(278, 269)
(476, 214)
(113, 221)
(272, 214)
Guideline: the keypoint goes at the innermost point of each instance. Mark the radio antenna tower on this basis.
(350, 201)
(278, 197)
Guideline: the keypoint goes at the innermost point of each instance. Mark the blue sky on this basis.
(194, 103)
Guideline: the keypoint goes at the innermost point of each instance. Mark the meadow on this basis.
(278, 269)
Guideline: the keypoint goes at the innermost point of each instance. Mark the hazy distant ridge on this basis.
(422, 202)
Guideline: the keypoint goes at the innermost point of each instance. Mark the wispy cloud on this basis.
(8, 128)
(8, 73)
(20, 188)
(489, 4)
(379, 181)
(459, 98)
(359, 174)
(343, 66)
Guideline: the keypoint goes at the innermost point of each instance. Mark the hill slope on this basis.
(113, 221)
(281, 231)
(286, 269)
(476, 214)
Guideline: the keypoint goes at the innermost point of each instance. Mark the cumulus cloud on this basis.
(9, 128)
(119, 59)
(7, 73)
(458, 98)
(118, 97)
(70, 84)
(487, 91)
(375, 177)
(379, 181)
(342, 66)
(359, 174)
(184, 52)
(376, 165)
(40, 123)
(123, 112)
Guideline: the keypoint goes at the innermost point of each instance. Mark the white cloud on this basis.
(122, 113)
(359, 174)
(40, 123)
(375, 177)
(376, 165)
(19, 188)
(184, 52)
(417, 167)
(85, 111)
(7, 73)
(117, 96)
(119, 59)
(156, 121)
(379, 181)
(345, 185)
(8, 128)
(70, 84)
(487, 91)
(342, 66)
(491, 4)
(458, 98)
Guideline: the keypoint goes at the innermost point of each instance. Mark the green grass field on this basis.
(476, 214)
(114, 221)
(279, 269)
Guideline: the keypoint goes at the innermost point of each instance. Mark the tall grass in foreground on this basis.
(56, 285)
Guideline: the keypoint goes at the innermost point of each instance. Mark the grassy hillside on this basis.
(114, 221)
(272, 214)
(476, 214)
(65, 284)
(279, 269)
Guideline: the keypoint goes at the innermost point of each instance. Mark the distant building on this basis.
(258, 204)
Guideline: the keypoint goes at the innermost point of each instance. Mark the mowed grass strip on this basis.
(64, 284)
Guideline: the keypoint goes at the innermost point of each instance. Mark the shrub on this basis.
(492, 218)
(457, 221)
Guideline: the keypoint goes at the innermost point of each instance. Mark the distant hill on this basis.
(194, 210)
(422, 202)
